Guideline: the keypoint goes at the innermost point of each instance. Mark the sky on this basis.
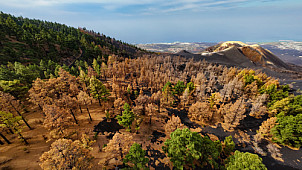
(154, 21)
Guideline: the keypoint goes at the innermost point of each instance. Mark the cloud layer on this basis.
(144, 6)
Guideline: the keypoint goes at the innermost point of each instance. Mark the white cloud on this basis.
(157, 6)
(196, 5)
(60, 2)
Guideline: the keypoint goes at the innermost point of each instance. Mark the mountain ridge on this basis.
(30, 40)
(287, 51)
(255, 53)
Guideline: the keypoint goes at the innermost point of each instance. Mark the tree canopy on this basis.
(136, 157)
(245, 160)
(188, 148)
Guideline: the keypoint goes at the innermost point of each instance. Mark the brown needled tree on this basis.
(116, 150)
(155, 98)
(56, 121)
(86, 100)
(141, 102)
(233, 113)
(67, 154)
(201, 111)
(173, 124)
(151, 111)
(35, 94)
(118, 105)
(265, 128)
(259, 106)
(68, 103)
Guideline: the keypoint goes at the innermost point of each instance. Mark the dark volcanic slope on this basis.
(234, 56)
(287, 55)
(184, 53)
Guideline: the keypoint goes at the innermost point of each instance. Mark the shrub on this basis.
(288, 131)
(136, 157)
(245, 160)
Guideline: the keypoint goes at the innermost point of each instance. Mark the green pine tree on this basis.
(126, 118)
(245, 160)
(190, 148)
(136, 157)
(98, 90)
(12, 123)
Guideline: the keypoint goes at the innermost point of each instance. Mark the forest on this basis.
(30, 40)
(120, 106)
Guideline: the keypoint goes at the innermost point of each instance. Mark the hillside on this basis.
(164, 94)
(244, 54)
(30, 40)
(239, 54)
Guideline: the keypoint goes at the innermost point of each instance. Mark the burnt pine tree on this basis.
(68, 103)
(56, 121)
(116, 149)
(67, 154)
(155, 98)
(85, 99)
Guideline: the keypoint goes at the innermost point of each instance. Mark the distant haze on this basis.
(151, 21)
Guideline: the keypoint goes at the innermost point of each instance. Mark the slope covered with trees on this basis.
(30, 40)
(140, 93)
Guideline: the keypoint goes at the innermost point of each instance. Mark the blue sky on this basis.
(149, 21)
